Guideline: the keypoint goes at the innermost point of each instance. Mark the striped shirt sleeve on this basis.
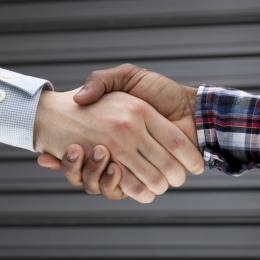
(228, 129)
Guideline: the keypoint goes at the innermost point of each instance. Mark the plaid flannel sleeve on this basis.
(228, 129)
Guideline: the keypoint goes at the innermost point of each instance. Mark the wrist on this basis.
(40, 122)
(191, 93)
(50, 121)
(189, 120)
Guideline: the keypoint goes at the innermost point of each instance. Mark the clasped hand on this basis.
(149, 131)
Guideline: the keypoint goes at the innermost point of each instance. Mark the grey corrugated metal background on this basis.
(202, 41)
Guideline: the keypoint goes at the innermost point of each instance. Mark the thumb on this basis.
(99, 82)
(49, 161)
(90, 92)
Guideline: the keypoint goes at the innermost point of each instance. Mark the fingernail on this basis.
(72, 155)
(110, 170)
(81, 93)
(98, 155)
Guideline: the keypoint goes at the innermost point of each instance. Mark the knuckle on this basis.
(128, 67)
(116, 148)
(177, 143)
(130, 71)
(90, 181)
(175, 174)
(105, 188)
(112, 143)
(169, 168)
(90, 189)
(158, 185)
(73, 178)
(111, 196)
(103, 78)
(138, 107)
(139, 190)
(74, 182)
(94, 74)
(123, 124)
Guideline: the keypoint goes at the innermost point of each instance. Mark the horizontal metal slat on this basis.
(64, 15)
(186, 207)
(170, 241)
(131, 44)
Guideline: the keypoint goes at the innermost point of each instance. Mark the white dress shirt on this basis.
(19, 97)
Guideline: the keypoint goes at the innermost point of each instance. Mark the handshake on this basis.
(127, 132)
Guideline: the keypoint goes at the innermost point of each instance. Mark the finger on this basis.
(174, 141)
(121, 78)
(72, 163)
(133, 187)
(167, 164)
(94, 168)
(109, 183)
(146, 172)
(49, 161)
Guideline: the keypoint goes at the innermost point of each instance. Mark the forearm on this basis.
(228, 122)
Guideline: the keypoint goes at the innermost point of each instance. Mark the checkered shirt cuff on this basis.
(228, 129)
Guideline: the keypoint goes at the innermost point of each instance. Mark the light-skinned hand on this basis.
(149, 150)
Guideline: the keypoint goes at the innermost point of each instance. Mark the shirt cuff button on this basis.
(2, 95)
(4, 75)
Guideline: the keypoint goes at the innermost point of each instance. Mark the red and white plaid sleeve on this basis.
(228, 129)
